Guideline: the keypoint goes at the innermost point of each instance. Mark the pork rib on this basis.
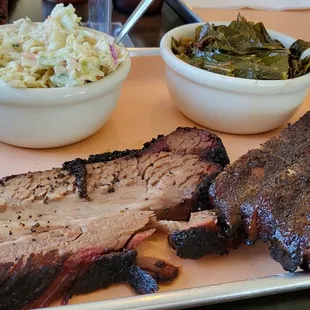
(267, 193)
(58, 226)
(264, 195)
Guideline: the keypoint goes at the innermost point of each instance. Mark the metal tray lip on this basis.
(143, 51)
(204, 295)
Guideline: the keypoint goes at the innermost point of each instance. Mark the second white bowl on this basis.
(229, 104)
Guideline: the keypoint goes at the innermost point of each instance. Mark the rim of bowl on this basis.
(205, 77)
(108, 82)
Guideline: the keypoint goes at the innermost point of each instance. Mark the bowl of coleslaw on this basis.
(59, 82)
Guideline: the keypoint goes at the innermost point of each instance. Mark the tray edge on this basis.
(205, 295)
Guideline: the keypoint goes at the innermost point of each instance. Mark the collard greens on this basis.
(242, 49)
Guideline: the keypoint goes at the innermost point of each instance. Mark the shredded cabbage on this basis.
(55, 53)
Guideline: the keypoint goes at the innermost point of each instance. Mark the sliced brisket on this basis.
(170, 183)
(46, 265)
(65, 228)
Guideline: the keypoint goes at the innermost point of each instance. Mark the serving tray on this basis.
(144, 111)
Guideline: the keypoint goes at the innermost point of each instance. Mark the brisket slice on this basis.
(200, 236)
(266, 194)
(104, 270)
(59, 225)
(168, 176)
(58, 264)
(195, 141)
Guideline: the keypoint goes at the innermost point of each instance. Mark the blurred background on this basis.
(108, 16)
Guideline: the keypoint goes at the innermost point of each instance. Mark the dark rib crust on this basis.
(284, 214)
(266, 193)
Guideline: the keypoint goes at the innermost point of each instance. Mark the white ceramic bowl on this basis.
(54, 117)
(229, 104)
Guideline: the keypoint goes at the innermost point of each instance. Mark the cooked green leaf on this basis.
(306, 64)
(202, 32)
(175, 46)
(298, 47)
(242, 49)
(262, 33)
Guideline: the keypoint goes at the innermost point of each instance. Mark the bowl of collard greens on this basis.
(236, 77)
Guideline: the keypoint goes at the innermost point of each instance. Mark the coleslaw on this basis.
(55, 53)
